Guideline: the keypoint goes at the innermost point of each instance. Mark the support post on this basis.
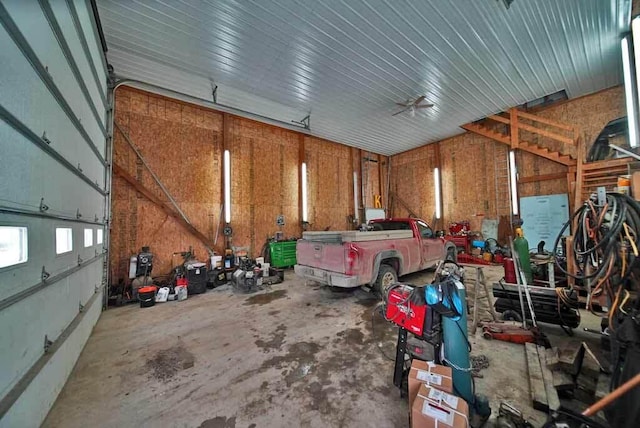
(515, 137)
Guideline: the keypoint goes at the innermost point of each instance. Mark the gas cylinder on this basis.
(521, 246)
(509, 271)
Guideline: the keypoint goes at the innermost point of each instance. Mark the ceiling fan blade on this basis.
(425, 106)
(401, 111)
(401, 104)
(419, 100)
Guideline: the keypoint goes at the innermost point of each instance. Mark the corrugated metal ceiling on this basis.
(349, 62)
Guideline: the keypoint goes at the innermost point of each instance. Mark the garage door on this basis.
(53, 198)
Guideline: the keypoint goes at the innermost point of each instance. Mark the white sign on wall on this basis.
(543, 217)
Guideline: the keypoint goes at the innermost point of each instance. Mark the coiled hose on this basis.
(605, 247)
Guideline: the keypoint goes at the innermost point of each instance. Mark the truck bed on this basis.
(356, 236)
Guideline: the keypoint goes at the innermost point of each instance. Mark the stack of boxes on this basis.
(431, 398)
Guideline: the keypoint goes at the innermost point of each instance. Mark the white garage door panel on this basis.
(41, 244)
(92, 39)
(47, 312)
(35, 175)
(63, 16)
(70, 108)
(51, 379)
(31, 102)
(29, 15)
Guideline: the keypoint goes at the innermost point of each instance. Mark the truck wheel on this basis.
(386, 276)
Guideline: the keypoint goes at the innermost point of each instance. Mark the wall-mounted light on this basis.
(227, 186)
(512, 182)
(305, 217)
(628, 71)
(436, 182)
(355, 197)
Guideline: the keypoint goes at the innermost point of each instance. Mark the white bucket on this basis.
(216, 261)
(265, 268)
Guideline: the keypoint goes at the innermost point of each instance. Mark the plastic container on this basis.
(147, 296)
(181, 292)
(216, 262)
(162, 295)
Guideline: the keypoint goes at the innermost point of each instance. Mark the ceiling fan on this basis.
(412, 106)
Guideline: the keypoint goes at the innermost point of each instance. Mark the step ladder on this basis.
(477, 291)
(501, 180)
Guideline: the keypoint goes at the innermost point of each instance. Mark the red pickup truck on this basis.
(394, 247)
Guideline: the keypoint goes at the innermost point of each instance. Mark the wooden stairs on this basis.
(512, 138)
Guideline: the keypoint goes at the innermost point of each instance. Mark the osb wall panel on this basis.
(264, 173)
(182, 144)
(473, 167)
(330, 184)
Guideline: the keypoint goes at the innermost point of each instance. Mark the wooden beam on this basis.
(579, 172)
(546, 121)
(536, 381)
(166, 208)
(380, 175)
(515, 134)
(486, 132)
(548, 134)
(547, 376)
(544, 177)
(499, 118)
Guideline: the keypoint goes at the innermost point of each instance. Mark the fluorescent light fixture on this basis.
(635, 28)
(512, 181)
(436, 181)
(227, 186)
(305, 218)
(628, 88)
(355, 196)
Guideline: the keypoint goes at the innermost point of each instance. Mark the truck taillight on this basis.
(352, 258)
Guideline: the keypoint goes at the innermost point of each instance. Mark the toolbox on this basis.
(283, 253)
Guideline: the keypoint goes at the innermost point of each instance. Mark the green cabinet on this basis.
(283, 253)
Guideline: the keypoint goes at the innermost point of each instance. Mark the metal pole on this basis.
(513, 256)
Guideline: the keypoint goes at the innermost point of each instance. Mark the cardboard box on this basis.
(434, 408)
(427, 372)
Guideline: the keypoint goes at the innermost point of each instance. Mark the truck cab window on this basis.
(425, 231)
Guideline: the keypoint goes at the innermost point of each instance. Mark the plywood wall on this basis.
(183, 144)
(473, 167)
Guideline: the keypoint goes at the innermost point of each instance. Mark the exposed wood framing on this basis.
(166, 208)
(544, 177)
(514, 140)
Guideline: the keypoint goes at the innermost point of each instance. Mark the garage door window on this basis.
(99, 236)
(13, 245)
(88, 238)
(64, 240)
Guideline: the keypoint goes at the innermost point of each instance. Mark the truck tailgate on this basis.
(326, 255)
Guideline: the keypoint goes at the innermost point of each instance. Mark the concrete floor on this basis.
(297, 355)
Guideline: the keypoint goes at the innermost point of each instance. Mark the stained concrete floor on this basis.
(296, 355)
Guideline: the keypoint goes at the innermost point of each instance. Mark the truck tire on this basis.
(387, 275)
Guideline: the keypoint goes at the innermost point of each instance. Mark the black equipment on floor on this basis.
(196, 274)
(145, 262)
(549, 307)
